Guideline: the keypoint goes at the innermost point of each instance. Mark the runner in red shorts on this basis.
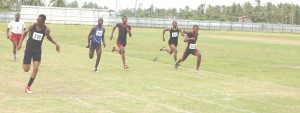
(191, 38)
(121, 41)
(16, 28)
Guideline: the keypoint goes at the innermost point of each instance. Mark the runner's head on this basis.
(17, 17)
(124, 19)
(195, 29)
(41, 20)
(174, 23)
(100, 21)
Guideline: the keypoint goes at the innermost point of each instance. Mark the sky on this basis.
(122, 4)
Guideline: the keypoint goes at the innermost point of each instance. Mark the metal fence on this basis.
(90, 16)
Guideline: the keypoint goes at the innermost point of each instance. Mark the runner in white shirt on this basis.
(16, 26)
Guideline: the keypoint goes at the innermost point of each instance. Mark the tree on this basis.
(270, 13)
(36, 2)
(73, 4)
(248, 9)
(90, 5)
(58, 3)
(3, 4)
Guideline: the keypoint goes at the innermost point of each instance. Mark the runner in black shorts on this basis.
(33, 51)
(121, 41)
(191, 38)
(95, 38)
(173, 41)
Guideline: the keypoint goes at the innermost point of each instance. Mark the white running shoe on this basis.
(27, 90)
(199, 73)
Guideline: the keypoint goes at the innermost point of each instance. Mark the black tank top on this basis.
(174, 33)
(35, 40)
(192, 35)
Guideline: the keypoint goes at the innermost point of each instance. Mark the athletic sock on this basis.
(30, 81)
(15, 56)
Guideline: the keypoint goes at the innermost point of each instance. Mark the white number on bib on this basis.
(174, 34)
(99, 33)
(192, 46)
(37, 36)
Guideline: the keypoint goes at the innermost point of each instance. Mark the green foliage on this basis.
(90, 5)
(73, 4)
(259, 13)
(58, 3)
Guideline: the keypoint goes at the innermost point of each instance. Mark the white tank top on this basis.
(16, 27)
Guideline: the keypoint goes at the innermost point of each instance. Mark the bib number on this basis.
(99, 33)
(175, 34)
(37, 36)
(192, 46)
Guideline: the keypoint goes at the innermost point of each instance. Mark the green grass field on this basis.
(243, 72)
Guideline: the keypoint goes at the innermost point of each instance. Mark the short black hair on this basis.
(174, 21)
(43, 17)
(195, 26)
(17, 14)
(124, 17)
(100, 18)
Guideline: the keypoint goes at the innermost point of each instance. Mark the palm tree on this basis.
(248, 9)
(174, 12)
(187, 8)
(58, 3)
(3, 3)
(36, 2)
(73, 4)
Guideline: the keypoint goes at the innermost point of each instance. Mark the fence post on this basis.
(231, 24)
(208, 25)
(220, 25)
(137, 22)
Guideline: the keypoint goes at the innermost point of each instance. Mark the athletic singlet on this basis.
(98, 34)
(35, 40)
(192, 44)
(122, 32)
(174, 33)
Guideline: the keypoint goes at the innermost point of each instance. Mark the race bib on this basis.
(37, 36)
(192, 46)
(174, 34)
(99, 33)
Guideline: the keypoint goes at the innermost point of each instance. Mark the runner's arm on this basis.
(129, 30)
(187, 39)
(7, 33)
(89, 36)
(49, 37)
(112, 33)
(103, 40)
(164, 31)
(23, 36)
(181, 31)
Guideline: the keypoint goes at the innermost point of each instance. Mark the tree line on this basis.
(15, 4)
(283, 13)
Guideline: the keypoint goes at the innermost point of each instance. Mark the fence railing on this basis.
(90, 17)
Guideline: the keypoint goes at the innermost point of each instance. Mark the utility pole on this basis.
(292, 13)
(135, 8)
(116, 7)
